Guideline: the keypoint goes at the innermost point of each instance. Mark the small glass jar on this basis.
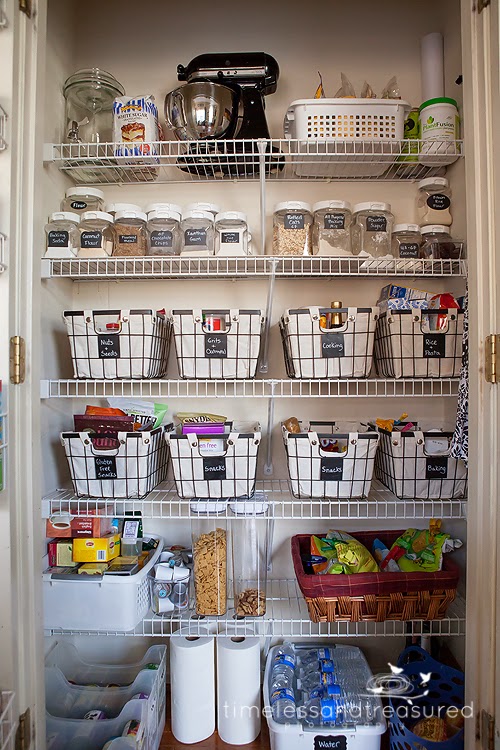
(62, 237)
(211, 208)
(96, 235)
(434, 201)
(89, 96)
(164, 207)
(332, 228)
(130, 235)
(372, 229)
(164, 233)
(113, 208)
(438, 244)
(197, 229)
(81, 199)
(231, 234)
(292, 228)
(210, 550)
(406, 241)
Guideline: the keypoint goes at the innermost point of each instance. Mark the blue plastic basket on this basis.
(445, 688)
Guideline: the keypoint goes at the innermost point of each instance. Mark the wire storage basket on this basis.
(328, 462)
(117, 344)
(213, 344)
(312, 351)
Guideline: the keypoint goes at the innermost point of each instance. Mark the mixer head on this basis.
(255, 70)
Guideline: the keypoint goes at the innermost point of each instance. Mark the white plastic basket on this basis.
(93, 603)
(345, 137)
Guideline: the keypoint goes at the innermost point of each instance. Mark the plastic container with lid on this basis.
(81, 199)
(372, 229)
(130, 236)
(212, 208)
(89, 96)
(113, 208)
(292, 228)
(164, 207)
(197, 229)
(440, 131)
(164, 234)
(210, 551)
(406, 241)
(62, 237)
(438, 244)
(332, 228)
(231, 234)
(96, 235)
(249, 540)
(434, 201)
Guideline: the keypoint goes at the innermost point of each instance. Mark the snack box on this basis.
(403, 304)
(92, 569)
(392, 291)
(101, 549)
(80, 525)
(60, 553)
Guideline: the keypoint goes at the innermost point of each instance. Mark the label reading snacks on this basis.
(331, 469)
(216, 345)
(214, 467)
(334, 221)
(108, 345)
(434, 345)
(332, 345)
(376, 224)
(436, 467)
(105, 467)
(294, 221)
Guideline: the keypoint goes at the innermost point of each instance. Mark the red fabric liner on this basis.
(360, 584)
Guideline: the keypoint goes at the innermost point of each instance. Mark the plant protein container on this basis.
(62, 237)
(332, 228)
(130, 237)
(372, 229)
(96, 235)
(434, 201)
(231, 234)
(197, 229)
(406, 241)
(440, 131)
(292, 228)
(438, 244)
(164, 233)
(81, 199)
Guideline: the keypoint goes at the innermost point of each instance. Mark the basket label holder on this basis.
(108, 345)
(105, 467)
(331, 469)
(330, 742)
(332, 345)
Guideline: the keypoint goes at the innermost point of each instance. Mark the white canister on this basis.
(440, 129)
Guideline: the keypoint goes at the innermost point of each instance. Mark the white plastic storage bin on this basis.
(205, 351)
(228, 473)
(92, 603)
(316, 471)
(315, 352)
(66, 657)
(345, 137)
(132, 465)
(407, 344)
(419, 465)
(114, 344)
(63, 734)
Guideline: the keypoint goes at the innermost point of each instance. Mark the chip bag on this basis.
(344, 553)
(346, 91)
(422, 550)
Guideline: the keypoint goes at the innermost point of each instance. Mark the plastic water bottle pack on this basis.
(283, 685)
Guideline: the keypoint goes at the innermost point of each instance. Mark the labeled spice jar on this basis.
(164, 233)
(130, 236)
(292, 228)
(212, 208)
(434, 201)
(62, 237)
(96, 234)
(332, 228)
(249, 540)
(406, 241)
(438, 244)
(231, 234)
(197, 229)
(81, 199)
(372, 229)
(209, 536)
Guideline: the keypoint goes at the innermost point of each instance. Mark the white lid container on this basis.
(79, 191)
(406, 228)
(435, 229)
(195, 214)
(442, 181)
(367, 206)
(212, 208)
(97, 215)
(130, 215)
(231, 216)
(164, 207)
(293, 206)
(343, 205)
(65, 216)
(113, 208)
(163, 214)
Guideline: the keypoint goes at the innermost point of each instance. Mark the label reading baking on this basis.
(332, 345)
(409, 250)
(436, 467)
(334, 221)
(331, 469)
(438, 202)
(127, 239)
(105, 467)
(230, 238)
(161, 238)
(193, 237)
(376, 224)
(90, 239)
(214, 467)
(216, 345)
(78, 205)
(108, 345)
(58, 239)
(330, 742)
(294, 221)
(434, 345)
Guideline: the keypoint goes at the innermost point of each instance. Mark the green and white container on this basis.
(440, 131)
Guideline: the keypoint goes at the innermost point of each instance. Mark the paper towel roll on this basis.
(192, 683)
(238, 689)
(432, 66)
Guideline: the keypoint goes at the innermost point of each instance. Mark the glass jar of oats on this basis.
(292, 228)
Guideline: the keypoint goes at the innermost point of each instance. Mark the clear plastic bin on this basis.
(249, 540)
(210, 549)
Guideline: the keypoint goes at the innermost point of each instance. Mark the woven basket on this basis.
(374, 597)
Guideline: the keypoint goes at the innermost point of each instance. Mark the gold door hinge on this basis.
(23, 734)
(17, 360)
(485, 730)
(25, 7)
(492, 358)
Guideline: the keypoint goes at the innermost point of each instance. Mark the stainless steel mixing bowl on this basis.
(201, 110)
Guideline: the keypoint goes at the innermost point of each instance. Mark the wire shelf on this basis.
(3, 116)
(287, 616)
(277, 159)
(7, 724)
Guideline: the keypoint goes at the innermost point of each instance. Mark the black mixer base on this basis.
(229, 160)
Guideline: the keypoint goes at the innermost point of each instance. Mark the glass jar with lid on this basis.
(89, 95)
(434, 201)
(438, 244)
(197, 229)
(372, 229)
(62, 237)
(212, 208)
(231, 234)
(130, 236)
(81, 199)
(292, 228)
(96, 235)
(164, 207)
(332, 228)
(164, 233)
(406, 241)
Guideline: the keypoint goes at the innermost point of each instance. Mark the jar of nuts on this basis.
(292, 228)
(249, 536)
(210, 565)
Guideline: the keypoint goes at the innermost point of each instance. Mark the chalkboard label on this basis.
(376, 224)
(79, 205)
(331, 469)
(230, 238)
(436, 467)
(332, 345)
(58, 239)
(434, 345)
(195, 237)
(438, 202)
(334, 221)
(409, 250)
(127, 239)
(214, 467)
(161, 238)
(108, 345)
(90, 239)
(330, 742)
(216, 345)
(294, 221)
(105, 467)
